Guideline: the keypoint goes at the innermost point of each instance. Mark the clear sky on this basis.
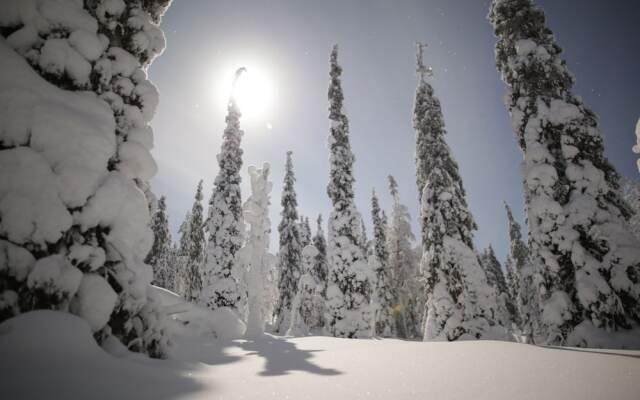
(288, 42)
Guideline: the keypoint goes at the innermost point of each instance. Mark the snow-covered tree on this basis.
(631, 194)
(289, 256)
(348, 295)
(320, 263)
(254, 255)
(181, 256)
(160, 255)
(307, 309)
(194, 243)
(495, 278)
(585, 255)
(305, 232)
(75, 164)
(460, 303)
(404, 271)
(221, 286)
(364, 240)
(385, 296)
(521, 279)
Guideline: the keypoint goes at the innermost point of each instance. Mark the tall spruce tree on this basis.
(385, 296)
(224, 224)
(364, 244)
(523, 279)
(320, 263)
(76, 162)
(160, 255)
(587, 260)
(460, 303)
(305, 231)
(307, 307)
(181, 256)
(404, 270)
(289, 256)
(348, 293)
(495, 278)
(194, 249)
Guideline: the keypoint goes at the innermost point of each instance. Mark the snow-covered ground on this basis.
(46, 354)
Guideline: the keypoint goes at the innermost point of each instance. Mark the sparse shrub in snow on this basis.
(191, 251)
(307, 308)
(406, 281)
(289, 254)
(221, 287)
(75, 157)
(460, 304)
(257, 262)
(161, 256)
(384, 293)
(587, 259)
(348, 295)
(320, 260)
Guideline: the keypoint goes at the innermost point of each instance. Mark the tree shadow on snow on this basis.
(282, 356)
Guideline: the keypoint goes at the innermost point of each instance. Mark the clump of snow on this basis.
(94, 301)
(54, 274)
(15, 261)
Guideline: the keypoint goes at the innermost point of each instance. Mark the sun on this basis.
(253, 92)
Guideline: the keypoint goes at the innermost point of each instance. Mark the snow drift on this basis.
(53, 353)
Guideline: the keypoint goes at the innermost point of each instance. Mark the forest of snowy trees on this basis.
(81, 230)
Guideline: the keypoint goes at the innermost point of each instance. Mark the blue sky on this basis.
(289, 42)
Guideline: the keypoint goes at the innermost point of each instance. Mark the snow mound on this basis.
(193, 320)
(52, 354)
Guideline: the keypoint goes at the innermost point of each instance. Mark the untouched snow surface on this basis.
(53, 355)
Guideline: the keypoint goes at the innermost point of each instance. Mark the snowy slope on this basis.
(53, 354)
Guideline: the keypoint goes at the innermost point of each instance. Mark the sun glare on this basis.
(253, 92)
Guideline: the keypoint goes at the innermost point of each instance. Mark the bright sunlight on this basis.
(253, 91)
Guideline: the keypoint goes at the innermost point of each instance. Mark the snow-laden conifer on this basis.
(320, 261)
(221, 283)
(305, 231)
(581, 248)
(409, 301)
(160, 255)
(193, 249)
(349, 288)
(75, 164)
(631, 194)
(495, 278)
(257, 262)
(289, 255)
(460, 303)
(523, 280)
(181, 256)
(384, 295)
(307, 307)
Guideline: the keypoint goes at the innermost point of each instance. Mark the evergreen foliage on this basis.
(586, 258)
